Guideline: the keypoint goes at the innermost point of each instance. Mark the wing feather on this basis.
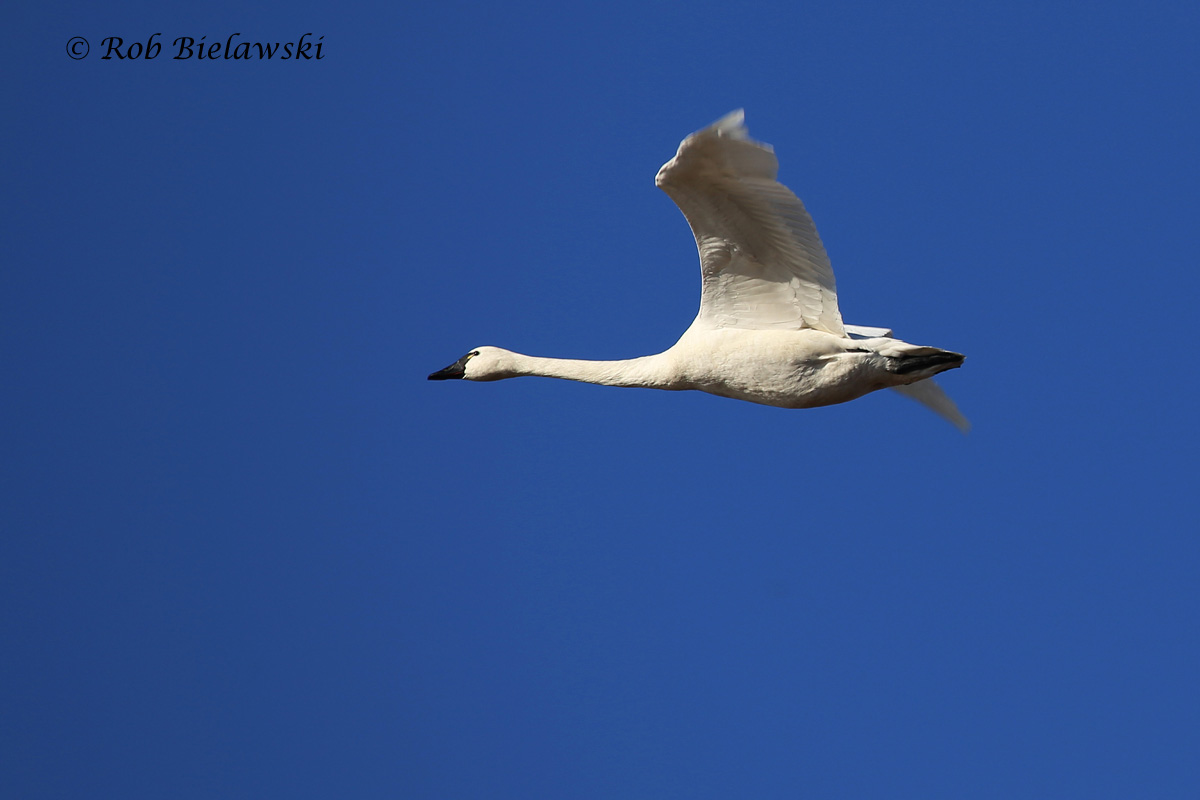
(762, 263)
(930, 395)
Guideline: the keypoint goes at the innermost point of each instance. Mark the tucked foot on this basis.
(924, 362)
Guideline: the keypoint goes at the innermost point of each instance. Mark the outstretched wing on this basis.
(762, 264)
(930, 395)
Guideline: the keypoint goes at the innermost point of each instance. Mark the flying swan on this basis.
(769, 330)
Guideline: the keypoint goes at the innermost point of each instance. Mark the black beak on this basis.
(456, 370)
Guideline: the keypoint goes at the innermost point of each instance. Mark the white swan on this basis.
(769, 330)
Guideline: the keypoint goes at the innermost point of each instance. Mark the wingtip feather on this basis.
(732, 125)
(930, 395)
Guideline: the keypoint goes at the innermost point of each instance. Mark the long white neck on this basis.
(648, 371)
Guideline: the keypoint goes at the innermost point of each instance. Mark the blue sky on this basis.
(249, 551)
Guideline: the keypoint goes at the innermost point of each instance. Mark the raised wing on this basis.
(762, 264)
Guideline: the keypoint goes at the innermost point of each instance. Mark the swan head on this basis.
(481, 364)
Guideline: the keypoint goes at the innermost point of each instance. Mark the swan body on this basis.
(769, 329)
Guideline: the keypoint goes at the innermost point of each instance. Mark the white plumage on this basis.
(769, 329)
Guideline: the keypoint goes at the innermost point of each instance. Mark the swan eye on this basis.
(472, 353)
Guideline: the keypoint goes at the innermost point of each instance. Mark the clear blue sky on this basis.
(249, 551)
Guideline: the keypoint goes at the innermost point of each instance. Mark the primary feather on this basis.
(762, 262)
